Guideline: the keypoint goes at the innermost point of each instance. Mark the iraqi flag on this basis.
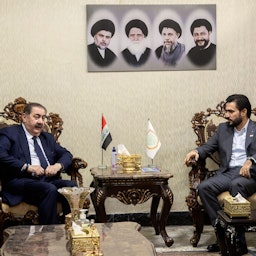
(105, 134)
(153, 143)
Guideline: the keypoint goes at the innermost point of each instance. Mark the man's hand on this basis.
(35, 170)
(191, 155)
(245, 170)
(52, 170)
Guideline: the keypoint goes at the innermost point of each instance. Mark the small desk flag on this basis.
(106, 137)
(153, 143)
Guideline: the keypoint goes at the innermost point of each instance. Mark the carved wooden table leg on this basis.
(221, 236)
(98, 197)
(153, 214)
(167, 197)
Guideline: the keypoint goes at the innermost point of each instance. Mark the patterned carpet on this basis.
(182, 247)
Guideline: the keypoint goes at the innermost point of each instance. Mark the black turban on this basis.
(170, 24)
(136, 24)
(104, 24)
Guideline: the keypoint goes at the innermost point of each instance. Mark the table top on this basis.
(107, 173)
(119, 238)
(238, 220)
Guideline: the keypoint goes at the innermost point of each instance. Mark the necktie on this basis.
(40, 154)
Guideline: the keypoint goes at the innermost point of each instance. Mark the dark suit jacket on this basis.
(222, 140)
(131, 59)
(14, 153)
(97, 58)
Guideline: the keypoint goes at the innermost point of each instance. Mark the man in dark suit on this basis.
(137, 53)
(102, 32)
(235, 141)
(28, 175)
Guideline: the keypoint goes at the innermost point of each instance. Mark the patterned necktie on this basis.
(40, 154)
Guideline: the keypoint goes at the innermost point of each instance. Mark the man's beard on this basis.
(235, 122)
(169, 47)
(206, 42)
(137, 47)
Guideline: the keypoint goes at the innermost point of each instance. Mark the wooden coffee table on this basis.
(119, 238)
(134, 188)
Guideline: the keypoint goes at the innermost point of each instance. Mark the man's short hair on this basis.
(199, 23)
(168, 23)
(241, 102)
(28, 107)
(103, 24)
(136, 24)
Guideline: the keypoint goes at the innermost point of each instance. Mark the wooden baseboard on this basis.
(174, 218)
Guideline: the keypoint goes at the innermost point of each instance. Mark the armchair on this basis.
(24, 213)
(204, 125)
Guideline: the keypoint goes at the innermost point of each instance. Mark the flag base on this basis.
(102, 167)
(151, 166)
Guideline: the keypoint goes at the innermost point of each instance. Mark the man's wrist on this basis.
(61, 167)
(25, 168)
(251, 159)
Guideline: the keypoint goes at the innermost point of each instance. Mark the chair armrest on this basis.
(198, 173)
(73, 170)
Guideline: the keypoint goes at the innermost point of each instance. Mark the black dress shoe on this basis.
(213, 248)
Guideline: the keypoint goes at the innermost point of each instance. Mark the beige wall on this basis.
(43, 58)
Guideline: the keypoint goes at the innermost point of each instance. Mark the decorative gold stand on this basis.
(86, 241)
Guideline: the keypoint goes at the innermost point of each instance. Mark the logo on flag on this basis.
(153, 143)
(106, 137)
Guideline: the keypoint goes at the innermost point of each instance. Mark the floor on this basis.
(182, 234)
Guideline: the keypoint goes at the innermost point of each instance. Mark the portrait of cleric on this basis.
(137, 52)
(171, 51)
(102, 32)
(204, 50)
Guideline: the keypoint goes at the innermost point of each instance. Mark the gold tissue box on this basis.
(236, 209)
(130, 163)
(85, 244)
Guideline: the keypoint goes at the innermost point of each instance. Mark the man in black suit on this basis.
(204, 52)
(137, 53)
(32, 176)
(235, 140)
(102, 32)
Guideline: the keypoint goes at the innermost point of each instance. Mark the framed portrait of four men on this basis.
(151, 37)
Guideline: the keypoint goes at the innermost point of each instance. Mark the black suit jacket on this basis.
(222, 140)
(14, 153)
(97, 58)
(131, 59)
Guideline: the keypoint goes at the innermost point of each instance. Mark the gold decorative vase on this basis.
(76, 197)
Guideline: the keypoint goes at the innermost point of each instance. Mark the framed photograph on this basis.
(151, 37)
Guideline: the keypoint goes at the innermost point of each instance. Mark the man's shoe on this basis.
(213, 248)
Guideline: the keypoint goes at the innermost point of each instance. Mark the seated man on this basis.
(30, 165)
(235, 141)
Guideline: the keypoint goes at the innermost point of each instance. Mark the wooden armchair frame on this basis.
(204, 125)
(25, 213)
